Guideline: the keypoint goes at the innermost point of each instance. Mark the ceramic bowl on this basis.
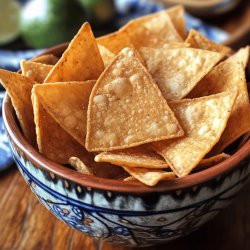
(129, 214)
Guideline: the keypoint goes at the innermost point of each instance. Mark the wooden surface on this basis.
(26, 225)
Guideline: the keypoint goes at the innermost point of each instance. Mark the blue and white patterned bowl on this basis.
(129, 214)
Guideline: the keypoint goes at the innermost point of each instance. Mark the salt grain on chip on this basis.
(203, 120)
(19, 89)
(177, 71)
(226, 76)
(126, 108)
(81, 60)
(67, 103)
(35, 71)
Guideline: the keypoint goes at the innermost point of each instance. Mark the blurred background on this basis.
(28, 26)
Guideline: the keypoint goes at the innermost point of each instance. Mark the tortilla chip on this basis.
(211, 161)
(203, 119)
(130, 178)
(141, 156)
(107, 55)
(149, 177)
(177, 16)
(48, 59)
(126, 108)
(242, 55)
(19, 89)
(53, 141)
(196, 40)
(79, 166)
(226, 76)
(35, 71)
(175, 45)
(177, 71)
(152, 30)
(115, 42)
(81, 60)
(67, 103)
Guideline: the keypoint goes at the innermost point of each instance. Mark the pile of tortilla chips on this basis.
(149, 100)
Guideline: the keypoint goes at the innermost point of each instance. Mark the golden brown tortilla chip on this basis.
(107, 55)
(177, 16)
(152, 30)
(149, 177)
(115, 42)
(19, 89)
(196, 40)
(226, 76)
(53, 141)
(35, 71)
(79, 166)
(203, 120)
(141, 156)
(126, 108)
(67, 103)
(48, 59)
(211, 161)
(81, 60)
(242, 55)
(177, 71)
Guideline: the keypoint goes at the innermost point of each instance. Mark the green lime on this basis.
(10, 18)
(45, 23)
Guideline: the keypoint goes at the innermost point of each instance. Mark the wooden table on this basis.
(26, 225)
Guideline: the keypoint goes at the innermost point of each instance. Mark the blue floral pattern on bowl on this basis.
(131, 220)
(5, 153)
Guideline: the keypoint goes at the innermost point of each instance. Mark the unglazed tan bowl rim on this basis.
(42, 162)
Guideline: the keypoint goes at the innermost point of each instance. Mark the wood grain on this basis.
(26, 225)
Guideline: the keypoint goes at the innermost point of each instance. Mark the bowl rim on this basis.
(42, 162)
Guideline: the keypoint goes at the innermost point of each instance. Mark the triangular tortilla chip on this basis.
(242, 55)
(177, 71)
(141, 156)
(226, 76)
(53, 141)
(203, 120)
(115, 42)
(19, 89)
(152, 30)
(80, 166)
(126, 108)
(35, 71)
(81, 60)
(149, 177)
(196, 40)
(211, 161)
(48, 59)
(177, 16)
(107, 55)
(67, 103)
